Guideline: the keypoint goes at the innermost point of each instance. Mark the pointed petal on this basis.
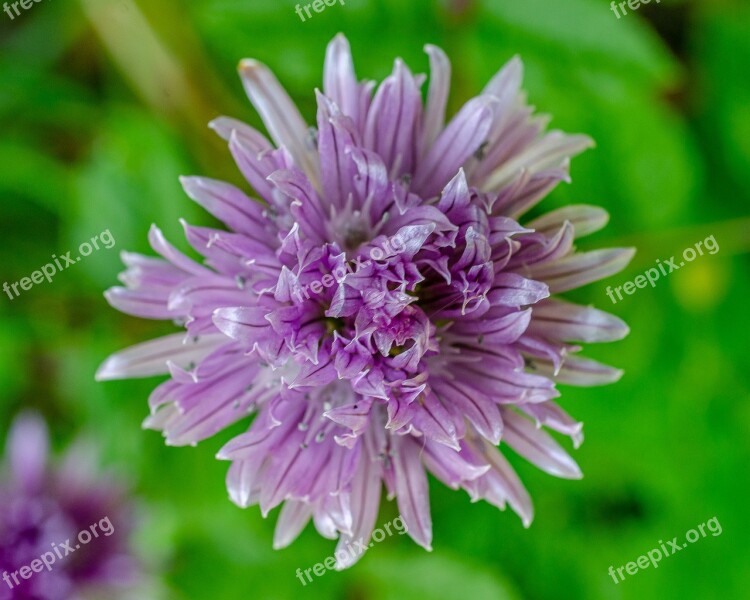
(435, 422)
(244, 324)
(225, 126)
(566, 322)
(450, 467)
(466, 132)
(280, 115)
(437, 95)
(150, 358)
(580, 269)
(506, 83)
(412, 493)
(292, 519)
(480, 410)
(336, 136)
(580, 371)
(510, 289)
(550, 415)
(586, 219)
(547, 153)
(392, 121)
(227, 203)
(365, 501)
(160, 244)
(500, 484)
(255, 162)
(538, 447)
(148, 303)
(242, 482)
(339, 79)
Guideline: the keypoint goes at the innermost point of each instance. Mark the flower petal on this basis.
(466, 132)
(293, 517)
(538, 447)
(580, 371)
(580, 269)
(150, 358)
(280, 115)
(548, 152)
(339, 79)
(437, 96)
(565, 322)
(412, 493)
(392, 121)
(585, 219)
(365, 501)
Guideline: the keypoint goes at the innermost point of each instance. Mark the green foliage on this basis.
(666, 449)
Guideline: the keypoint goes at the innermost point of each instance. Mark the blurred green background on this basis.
(103, 104)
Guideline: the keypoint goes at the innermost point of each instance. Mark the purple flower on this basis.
(382, 310)
(44, 509)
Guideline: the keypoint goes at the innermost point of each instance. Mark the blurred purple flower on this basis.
(442, 343)
(43, 506)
